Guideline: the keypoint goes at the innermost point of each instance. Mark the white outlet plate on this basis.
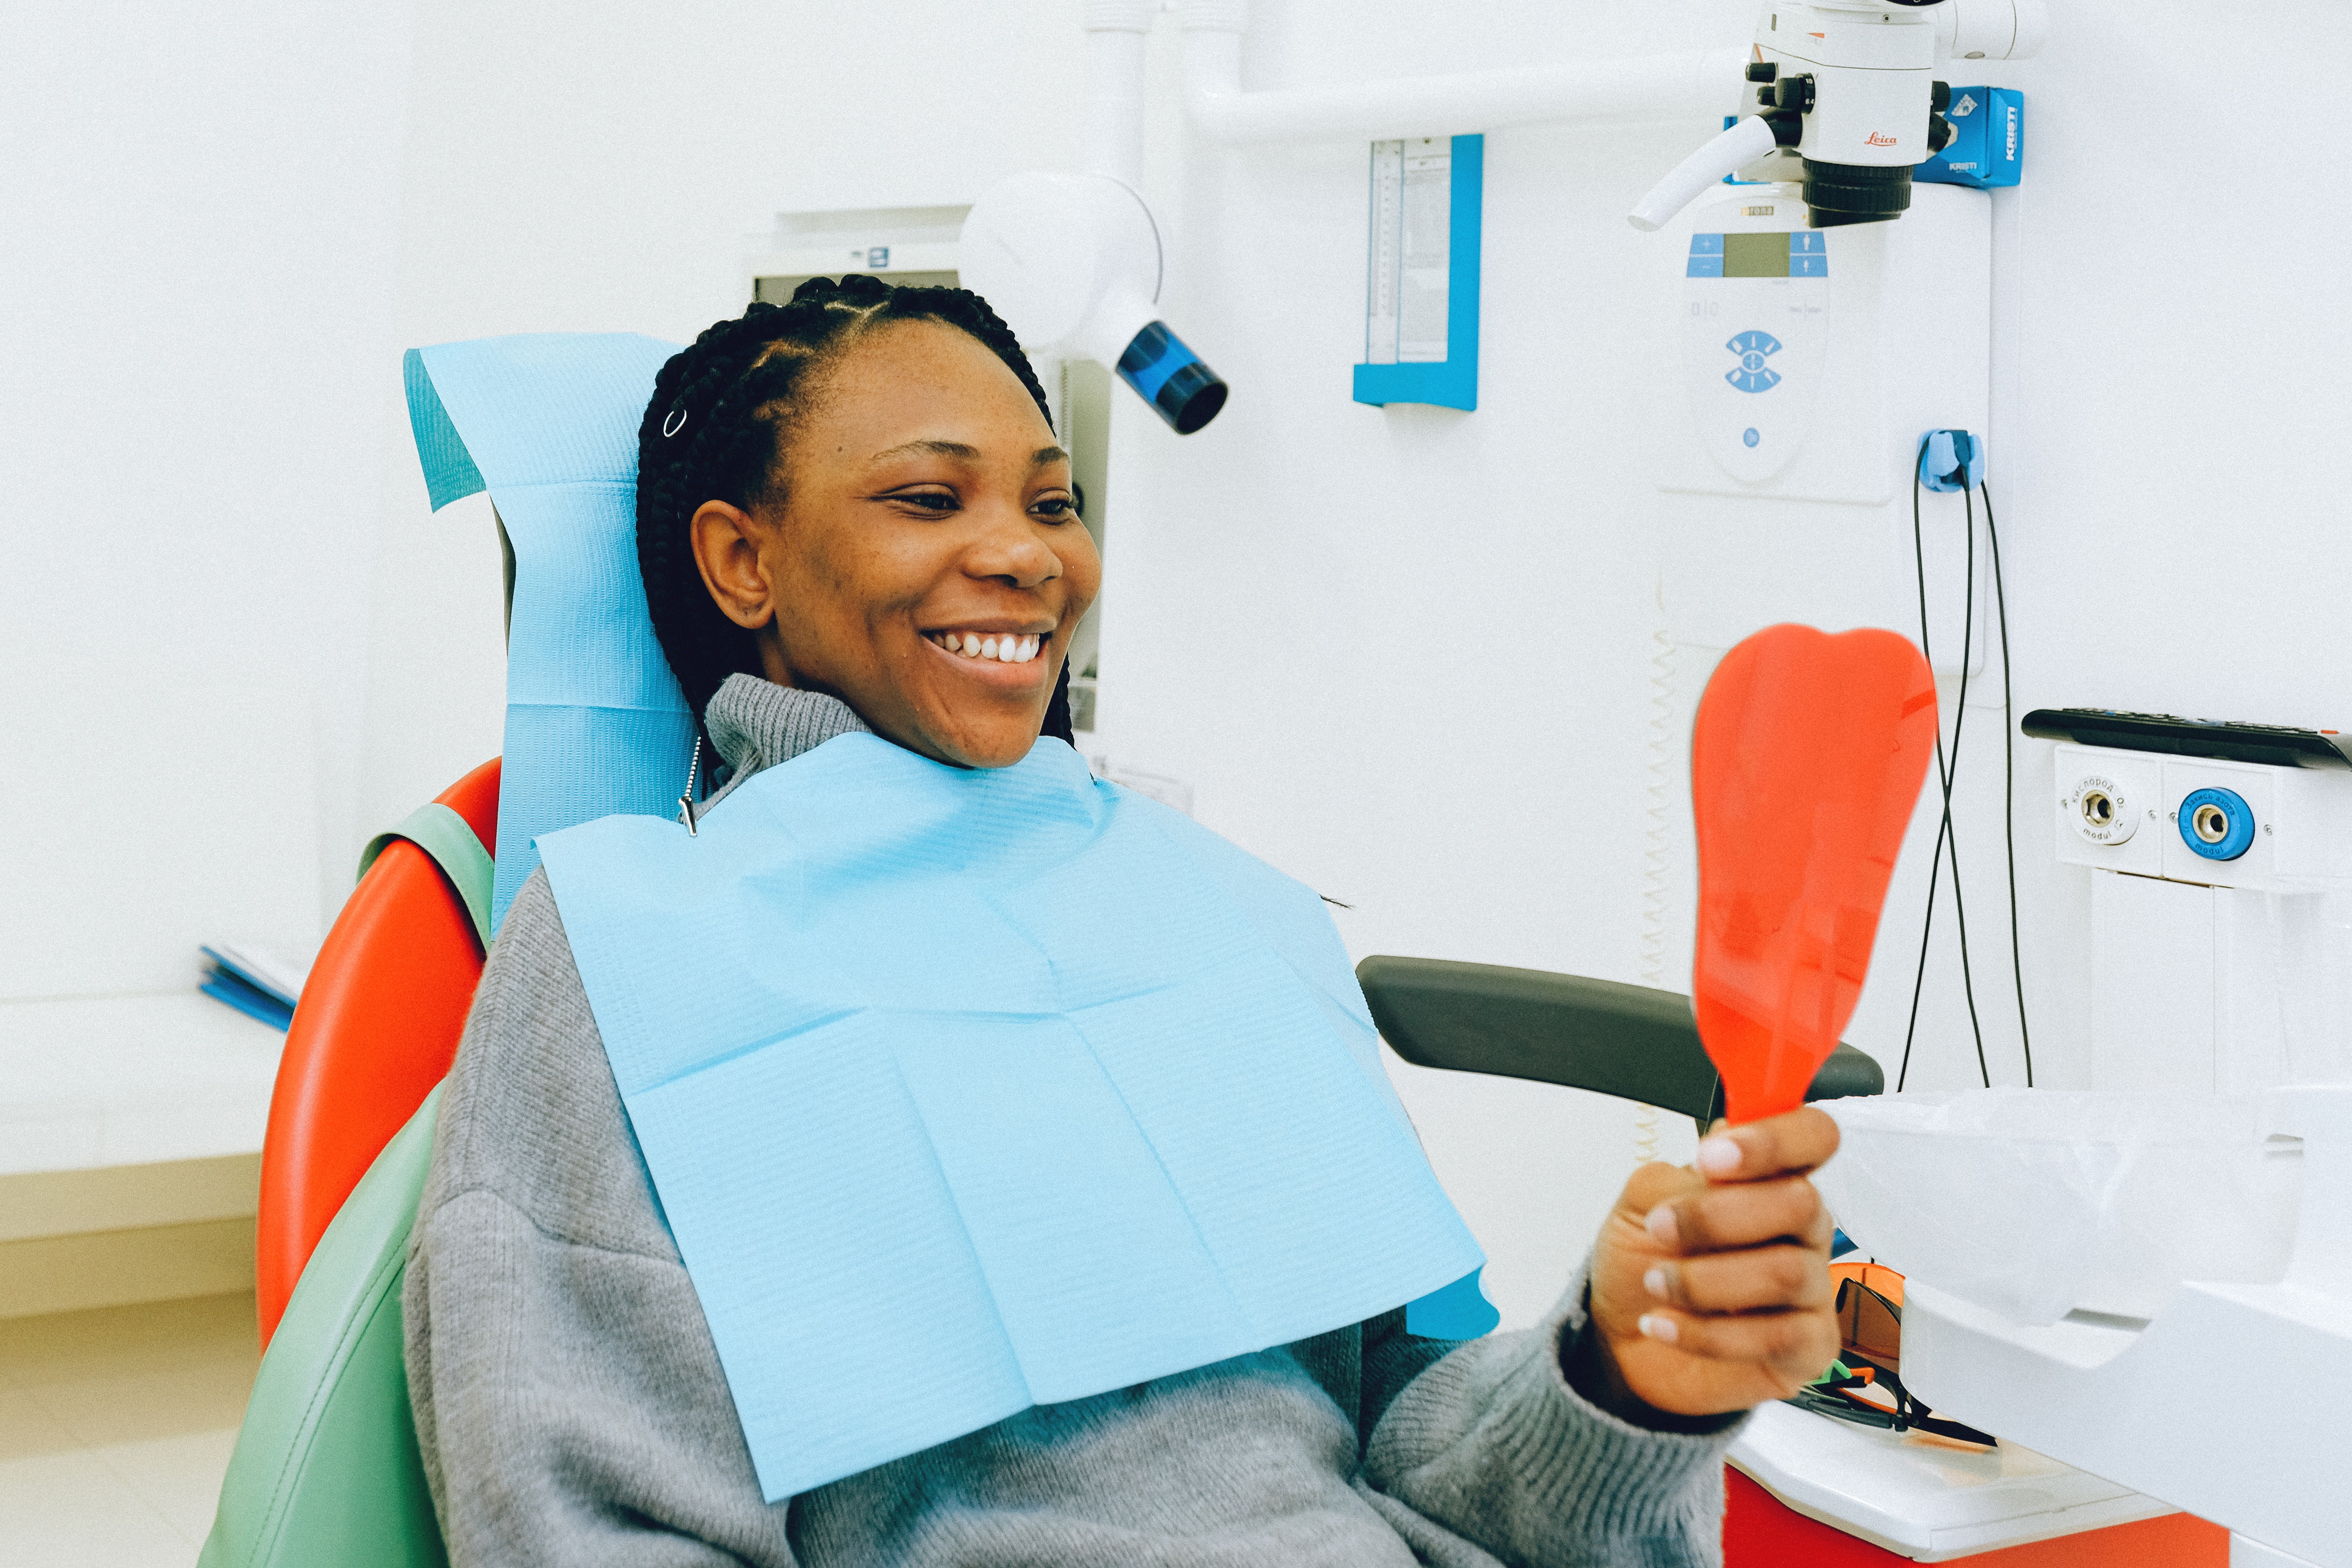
(2135, 782)
(2302, 817)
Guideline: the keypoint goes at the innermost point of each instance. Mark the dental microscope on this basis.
(1844, 102)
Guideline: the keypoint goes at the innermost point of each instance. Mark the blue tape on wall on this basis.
(1453, 382)
(548, 425)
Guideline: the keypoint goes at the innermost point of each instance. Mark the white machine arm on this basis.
(1736, 148)
(1651, 87)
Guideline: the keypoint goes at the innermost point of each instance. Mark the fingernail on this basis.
(1658, 1326)
(1654, 1282)
(1661, 1225)
(1718, 1156)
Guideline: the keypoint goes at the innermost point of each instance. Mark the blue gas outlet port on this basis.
(2217, 823)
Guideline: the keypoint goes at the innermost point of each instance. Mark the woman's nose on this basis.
(1011, 551)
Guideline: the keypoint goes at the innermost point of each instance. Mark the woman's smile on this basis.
(986, 645)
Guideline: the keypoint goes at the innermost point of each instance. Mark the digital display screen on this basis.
(1775, 253)
(1756, 255)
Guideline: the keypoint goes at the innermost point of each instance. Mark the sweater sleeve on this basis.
(570, 1403)
(1490, 1442)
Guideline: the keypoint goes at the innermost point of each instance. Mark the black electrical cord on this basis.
(2008, 782)
(1946, 769)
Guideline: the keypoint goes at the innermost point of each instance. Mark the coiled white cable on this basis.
(1655, 853)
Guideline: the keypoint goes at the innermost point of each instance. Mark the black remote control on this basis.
(2278, 746)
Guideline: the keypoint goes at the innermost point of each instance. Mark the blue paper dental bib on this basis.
(966, 1090)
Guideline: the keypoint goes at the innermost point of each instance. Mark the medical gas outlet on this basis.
(2217, 823)
(2101, 810)
(1072, 263)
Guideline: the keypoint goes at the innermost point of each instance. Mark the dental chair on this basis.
(326, 1469)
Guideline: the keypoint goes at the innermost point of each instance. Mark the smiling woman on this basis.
(945, 1157)
(859, 494)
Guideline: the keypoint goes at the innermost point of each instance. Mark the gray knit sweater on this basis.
(571, 1409)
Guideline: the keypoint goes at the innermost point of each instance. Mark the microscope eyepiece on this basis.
(1838, 194)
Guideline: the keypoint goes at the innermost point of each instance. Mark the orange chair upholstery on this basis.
(377, 1027)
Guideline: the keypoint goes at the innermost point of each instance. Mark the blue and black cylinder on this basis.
(1171, 378)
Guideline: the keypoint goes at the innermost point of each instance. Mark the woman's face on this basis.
(927, 565)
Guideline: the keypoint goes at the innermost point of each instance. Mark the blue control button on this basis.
(1808, 266)
(1706, 245)
(1705, 267)
(1807, 242)
(1751, 374)
(1749, 437)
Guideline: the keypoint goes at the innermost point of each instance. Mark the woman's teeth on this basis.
(1005, 648)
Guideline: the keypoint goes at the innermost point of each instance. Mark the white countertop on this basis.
(91, 1082)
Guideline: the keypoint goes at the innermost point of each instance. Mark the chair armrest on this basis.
(1628, 1041)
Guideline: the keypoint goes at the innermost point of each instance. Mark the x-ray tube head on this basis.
(1171, 378)
(1071, 262)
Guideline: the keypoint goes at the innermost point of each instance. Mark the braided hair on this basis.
(715, 430)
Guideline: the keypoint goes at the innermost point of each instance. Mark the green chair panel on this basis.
(326, 1473)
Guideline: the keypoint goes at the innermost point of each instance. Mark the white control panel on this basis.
(1755, 333)
(1808, 361)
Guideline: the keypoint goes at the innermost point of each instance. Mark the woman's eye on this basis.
(1055, 507)
(927, 500)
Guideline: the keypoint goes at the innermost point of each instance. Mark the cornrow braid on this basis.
(714, 430)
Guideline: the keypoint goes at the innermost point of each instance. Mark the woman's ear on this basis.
(726, 546)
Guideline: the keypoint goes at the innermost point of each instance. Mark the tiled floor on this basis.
(115, 1426)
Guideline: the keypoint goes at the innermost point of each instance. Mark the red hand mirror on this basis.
(1806, 761)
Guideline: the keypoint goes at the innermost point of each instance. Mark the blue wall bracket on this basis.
(1951, 460)
(1452, 382)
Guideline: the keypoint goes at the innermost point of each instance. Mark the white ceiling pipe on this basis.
(1649, 86)
(1113, 124)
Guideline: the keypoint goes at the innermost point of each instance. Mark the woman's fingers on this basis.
(1796, 1346)
(1760, 1279)
(1748, 1214)
(1787, 1145)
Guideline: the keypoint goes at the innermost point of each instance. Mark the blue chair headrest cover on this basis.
(548, 423)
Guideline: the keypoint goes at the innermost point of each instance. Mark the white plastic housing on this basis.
(1871, 76)
(1991, 29)
(1070, 261)
(2303, 835)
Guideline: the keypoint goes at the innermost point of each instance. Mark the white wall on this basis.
(197, 208)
